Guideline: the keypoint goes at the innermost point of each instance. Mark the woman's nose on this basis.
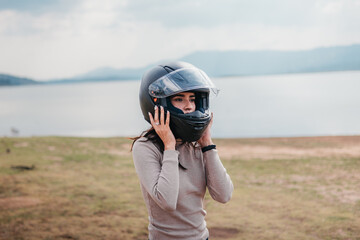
(188, 105)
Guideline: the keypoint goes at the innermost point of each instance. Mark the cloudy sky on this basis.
(62, 38)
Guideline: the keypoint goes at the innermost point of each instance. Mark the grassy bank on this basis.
(87, 188)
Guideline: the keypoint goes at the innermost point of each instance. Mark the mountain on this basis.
(232, 63)
(243, 63)
(9, 80)
(104, 74)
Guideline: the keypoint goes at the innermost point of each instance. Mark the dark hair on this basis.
(152, 136)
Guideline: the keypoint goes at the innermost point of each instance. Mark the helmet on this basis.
(161, 82)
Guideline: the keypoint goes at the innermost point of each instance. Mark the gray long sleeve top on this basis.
(174, 183)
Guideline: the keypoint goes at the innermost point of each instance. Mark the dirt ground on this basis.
(285, 188)
(291, 148)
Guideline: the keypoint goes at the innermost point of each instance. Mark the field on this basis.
(87, 188)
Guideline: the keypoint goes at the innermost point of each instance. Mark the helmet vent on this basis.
(169, 69)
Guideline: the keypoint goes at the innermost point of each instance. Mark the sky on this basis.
(53, 39)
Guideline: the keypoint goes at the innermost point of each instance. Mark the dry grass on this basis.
(86, 188)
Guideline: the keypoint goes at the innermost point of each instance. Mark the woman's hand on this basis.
(162, 128)
(205, 139)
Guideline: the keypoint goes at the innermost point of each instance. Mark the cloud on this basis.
(37, 6)
(332, 8)
(63, 38)
(205, 13)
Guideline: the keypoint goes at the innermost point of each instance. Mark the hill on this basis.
(244, 63)
(231, 63)
(234, 63)
(9, 80)
(103, 74)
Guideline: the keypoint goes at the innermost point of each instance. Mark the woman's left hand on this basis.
(205, 139)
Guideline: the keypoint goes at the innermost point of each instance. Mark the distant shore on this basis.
(228, 63)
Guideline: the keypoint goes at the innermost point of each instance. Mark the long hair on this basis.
(152, 136)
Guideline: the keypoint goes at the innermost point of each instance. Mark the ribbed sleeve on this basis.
(160, 179)
(218, 181)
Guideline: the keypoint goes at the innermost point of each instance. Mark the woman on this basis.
(176, 159)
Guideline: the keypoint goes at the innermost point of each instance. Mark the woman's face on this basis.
(185, 101)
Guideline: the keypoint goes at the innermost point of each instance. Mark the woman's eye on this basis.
(177, 99)
(192, 100)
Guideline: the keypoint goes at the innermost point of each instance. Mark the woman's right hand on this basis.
(162, 128)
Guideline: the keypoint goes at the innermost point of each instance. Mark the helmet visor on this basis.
(181, 80)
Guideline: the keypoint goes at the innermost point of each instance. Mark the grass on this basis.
(87, 188)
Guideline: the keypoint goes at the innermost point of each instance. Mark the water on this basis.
(257, 106)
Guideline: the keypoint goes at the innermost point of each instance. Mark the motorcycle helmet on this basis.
(165, 80)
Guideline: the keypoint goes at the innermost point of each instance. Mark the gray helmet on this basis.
(165, 80)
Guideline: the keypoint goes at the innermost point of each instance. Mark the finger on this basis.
(156, 114)
(212, 119)
(162, 115)
(167, 118)
(151, 119)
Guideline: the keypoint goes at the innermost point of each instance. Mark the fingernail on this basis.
(155, 107)
(162, 107)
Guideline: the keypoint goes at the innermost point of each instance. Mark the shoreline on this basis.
(229, 138)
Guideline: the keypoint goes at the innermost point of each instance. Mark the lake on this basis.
(311, 104)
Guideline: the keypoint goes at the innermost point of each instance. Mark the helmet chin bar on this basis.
(188, 130)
